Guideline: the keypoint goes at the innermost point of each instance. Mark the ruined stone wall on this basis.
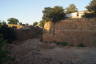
(74, 31)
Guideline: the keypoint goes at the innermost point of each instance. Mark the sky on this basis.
(29, 11)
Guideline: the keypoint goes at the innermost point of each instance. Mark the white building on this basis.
(76, 14)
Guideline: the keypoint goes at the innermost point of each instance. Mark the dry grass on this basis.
(30, 52)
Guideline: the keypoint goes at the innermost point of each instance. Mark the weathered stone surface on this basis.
(74, 31)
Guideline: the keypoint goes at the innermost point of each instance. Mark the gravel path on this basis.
(29, 52)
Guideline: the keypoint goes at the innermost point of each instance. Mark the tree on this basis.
(92, 6)
(58, 14)
(41, 23)
(20, 23)
(2, 22)
(47, 14)
(72, 8)
(35, 23)
(54, 14)
(26, 24)
(13, 21)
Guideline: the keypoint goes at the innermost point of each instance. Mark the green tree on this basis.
(58, 14)
(72, 8)
(41, 23)
(92, 6)
(26, 24)
(54, 14)
(3, 22)
(20, 23)
(35, 23)
(13, 21)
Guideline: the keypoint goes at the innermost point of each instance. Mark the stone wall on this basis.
(74, 31)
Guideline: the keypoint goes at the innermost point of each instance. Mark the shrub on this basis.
(71, 44)
(8, 33)
(89, 15)
(37, 31)
(81, 45)
(62, 43)
(3, 51)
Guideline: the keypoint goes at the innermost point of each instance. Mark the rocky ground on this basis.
(32, 51)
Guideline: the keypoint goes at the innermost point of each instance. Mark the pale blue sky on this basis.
(28, 11)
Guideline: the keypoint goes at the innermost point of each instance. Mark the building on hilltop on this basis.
(76, 14)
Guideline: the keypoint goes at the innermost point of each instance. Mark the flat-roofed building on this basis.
(76, 14)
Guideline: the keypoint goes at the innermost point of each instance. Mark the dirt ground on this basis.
(32, 52)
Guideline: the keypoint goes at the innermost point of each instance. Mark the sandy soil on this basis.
(31, 52)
